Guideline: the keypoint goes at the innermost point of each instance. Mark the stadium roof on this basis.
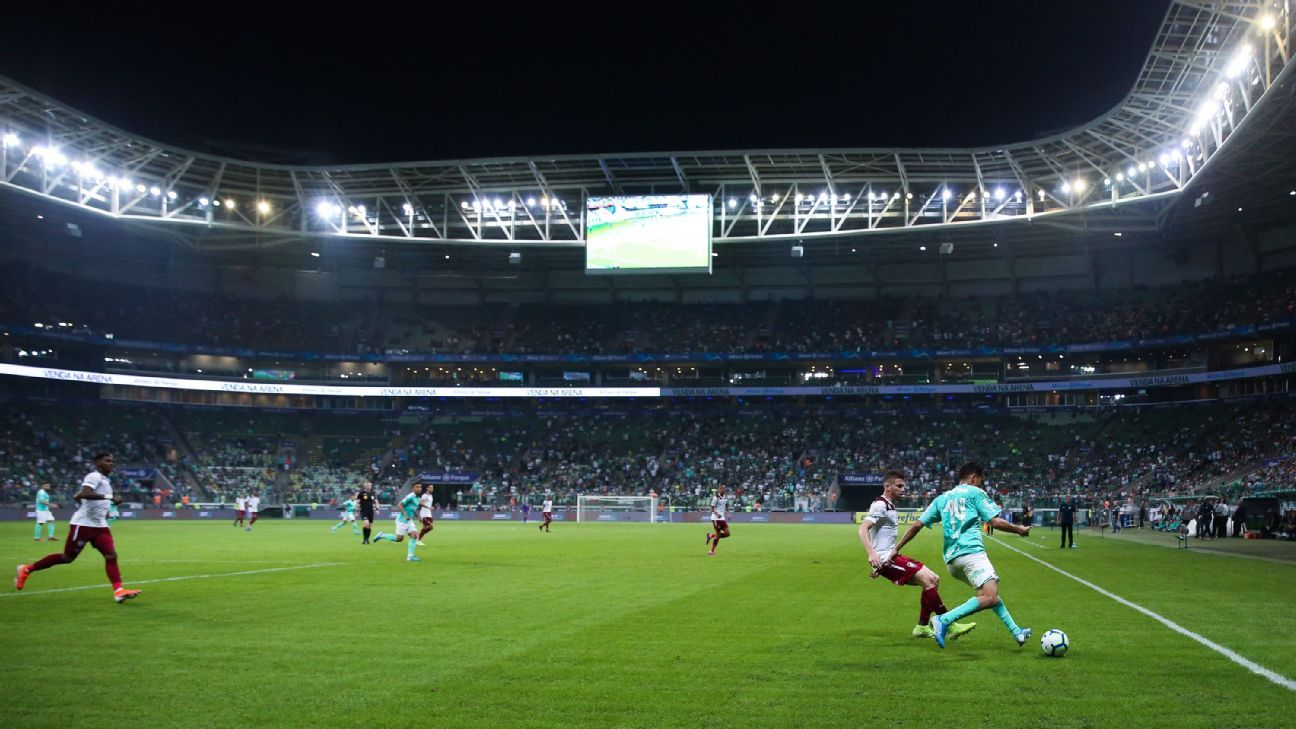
(1216, 79)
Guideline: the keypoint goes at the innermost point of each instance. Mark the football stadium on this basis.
(976, 435)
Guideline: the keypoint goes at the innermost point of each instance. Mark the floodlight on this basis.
(11, 139)
(999, 193)
(1239, 62)
(155, 191)
(732, 203)
(1267, 22)
(263, 207)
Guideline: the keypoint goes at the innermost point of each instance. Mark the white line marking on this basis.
(1246, 663)
(102, 586)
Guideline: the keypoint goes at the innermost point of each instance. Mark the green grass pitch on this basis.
(621, 625)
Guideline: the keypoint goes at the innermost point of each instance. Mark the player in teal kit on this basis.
(44, 515)
(348, 517)
(407, 523)
(961, 511)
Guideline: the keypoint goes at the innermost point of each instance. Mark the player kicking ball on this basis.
(406, 524)
(878, 534)
(719, 519)
(961, 511)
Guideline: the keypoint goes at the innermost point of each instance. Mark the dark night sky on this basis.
(483, 81)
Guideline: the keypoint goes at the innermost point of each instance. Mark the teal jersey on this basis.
(42, 501)
(349, 506)
(961, 511)
(409, 506)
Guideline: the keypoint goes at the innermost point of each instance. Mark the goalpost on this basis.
(615, 508)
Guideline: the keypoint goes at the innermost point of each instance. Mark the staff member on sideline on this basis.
(1066, 520)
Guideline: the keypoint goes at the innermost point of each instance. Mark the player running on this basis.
(547, 512)
(878, 534)
(368, 504)
(425, 512)
(347, 516)
(44, 515)
(719, 519)
(961, 511)
(240, 508)
(253, 503)
(406, 524)
(89, 526)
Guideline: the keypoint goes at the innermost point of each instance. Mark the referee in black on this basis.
(368, 505)
(1066, 519)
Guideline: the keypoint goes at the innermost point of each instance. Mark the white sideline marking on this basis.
(101, 586)
(1246, 663)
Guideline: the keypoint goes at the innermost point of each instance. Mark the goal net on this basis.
(616, 508)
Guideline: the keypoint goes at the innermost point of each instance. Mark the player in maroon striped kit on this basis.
(878, 534)
(89, 526)
(719, 520)
(547, 512)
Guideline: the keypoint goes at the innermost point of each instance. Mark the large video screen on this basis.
(648, 234)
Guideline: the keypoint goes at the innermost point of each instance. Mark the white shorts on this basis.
(974, 569)
(348, 516)
(44, 516)
(405, 527)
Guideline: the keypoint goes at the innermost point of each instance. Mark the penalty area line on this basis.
(1232, 655)
(175, 579)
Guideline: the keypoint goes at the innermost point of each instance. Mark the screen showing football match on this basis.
(648, 234)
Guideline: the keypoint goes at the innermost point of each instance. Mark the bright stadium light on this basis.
(823, 197)
(1106, 182)
(155, 191)
(1132, 171)
(1267, 22)
(530, 202)
(922, 248)
(1240, 61)
(229, 203)
(752, 198)
(203, 202)
(463, 204)
(315, 254)
(1080, 184)
(263, 207)
(1120, 176)
(360, 210)
(945, 194)
(775, 198)
(11, 139)
(1221, 90)
(908, 195)
(1042, 194)
(1142, 166)
(409, 209)
(1017, 195)
(326, 209)
(999, 193)
(1164, 159)
(172, 194)
(799, 197)
(1066, 186)
(732, 203)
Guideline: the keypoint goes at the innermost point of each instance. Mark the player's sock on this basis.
(36, 535)
(114, 574)
(385, 538)
(930, 603)
(1001, 610)
(50, 527)
(962, 611)
(409, 551)
(354, 530)
(367, 530)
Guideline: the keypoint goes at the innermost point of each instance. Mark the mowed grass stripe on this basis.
(592, 625)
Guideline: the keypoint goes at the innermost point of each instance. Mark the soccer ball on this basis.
(1055, 643)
